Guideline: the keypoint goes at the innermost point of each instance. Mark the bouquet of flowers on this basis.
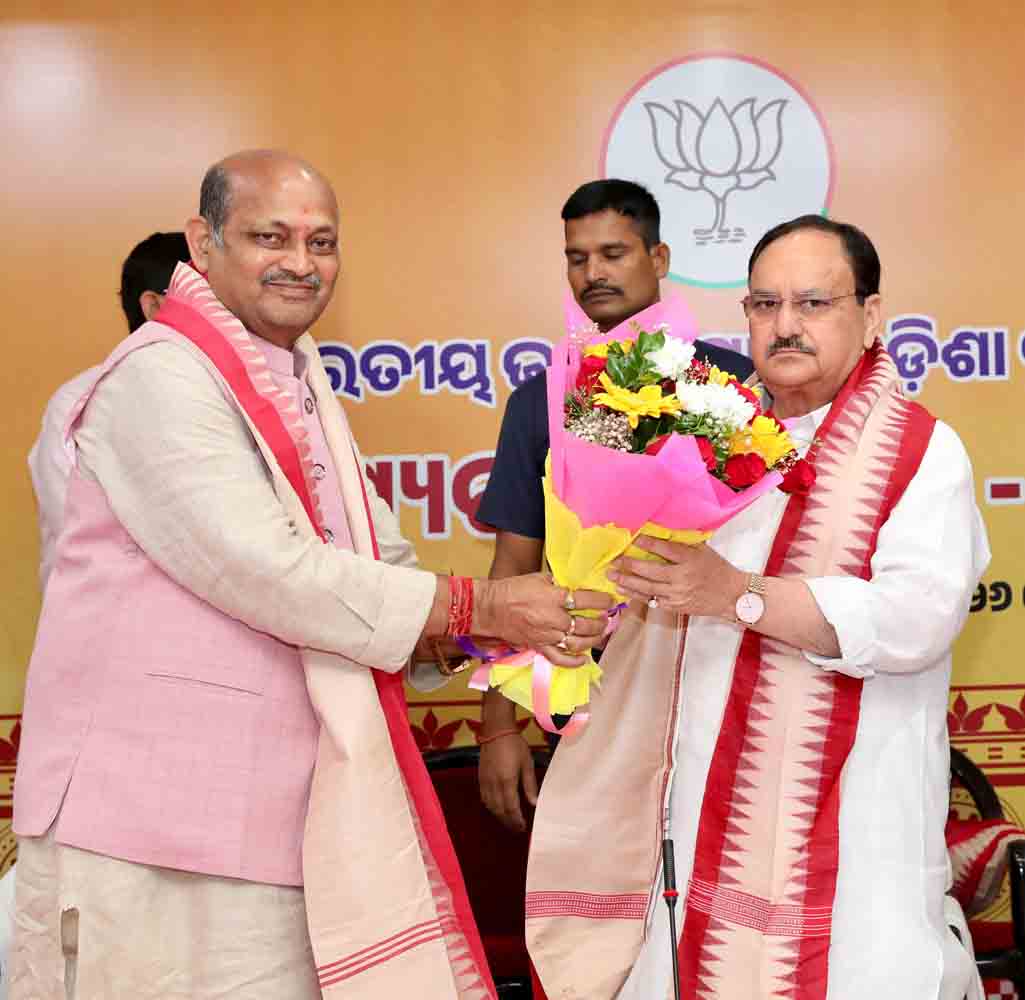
(645, 439)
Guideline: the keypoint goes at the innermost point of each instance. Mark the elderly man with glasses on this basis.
(780, 714)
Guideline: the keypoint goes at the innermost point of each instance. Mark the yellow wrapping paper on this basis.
(578, 558)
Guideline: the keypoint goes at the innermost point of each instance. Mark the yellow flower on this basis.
(602, 350)
(717, 377)
(763, 437)
(647, 402)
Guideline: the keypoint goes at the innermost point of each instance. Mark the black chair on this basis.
(493, 859)
(1008, 963)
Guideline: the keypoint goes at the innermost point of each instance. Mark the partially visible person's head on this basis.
(813, 307)
(614, 255)
(267, 239)
(146, 273)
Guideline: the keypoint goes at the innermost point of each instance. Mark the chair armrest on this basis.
(1016, 883)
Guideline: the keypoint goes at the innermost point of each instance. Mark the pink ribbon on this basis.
(541, 686)
(541, 676)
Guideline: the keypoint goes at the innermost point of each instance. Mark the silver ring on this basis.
(653, 602)
(569, 603)
(572, 625)
(561, 644)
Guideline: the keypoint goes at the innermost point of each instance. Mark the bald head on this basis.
(267, 239)
(252, 166)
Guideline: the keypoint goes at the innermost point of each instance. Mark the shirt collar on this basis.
(803, 429)
(281, 361)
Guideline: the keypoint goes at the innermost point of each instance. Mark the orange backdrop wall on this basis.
(453, 132)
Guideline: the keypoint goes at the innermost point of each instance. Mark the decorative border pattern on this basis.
(384, 951)
(778, 920)
(594, 906)
(987, 722)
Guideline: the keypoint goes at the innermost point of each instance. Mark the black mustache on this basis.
(602, 287)
(789, 344)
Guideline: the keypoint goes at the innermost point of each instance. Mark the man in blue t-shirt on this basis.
(614, 262)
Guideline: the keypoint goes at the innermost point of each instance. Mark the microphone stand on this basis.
(670, 895)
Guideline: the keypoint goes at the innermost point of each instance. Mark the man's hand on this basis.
(530, 612)
(696, 580)
(693, 579)
(505, 763)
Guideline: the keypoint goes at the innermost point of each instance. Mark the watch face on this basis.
(750, 608)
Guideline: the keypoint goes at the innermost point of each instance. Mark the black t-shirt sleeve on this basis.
(513, 499)
(724, 359)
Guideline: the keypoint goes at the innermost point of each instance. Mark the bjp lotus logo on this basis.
(718, 152)
(704, 132)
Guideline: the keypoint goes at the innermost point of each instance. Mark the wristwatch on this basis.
(751, 604)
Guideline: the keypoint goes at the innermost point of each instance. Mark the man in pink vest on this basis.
(218, 793)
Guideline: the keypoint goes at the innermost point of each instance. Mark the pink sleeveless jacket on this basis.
(152, 720)
(159, 730)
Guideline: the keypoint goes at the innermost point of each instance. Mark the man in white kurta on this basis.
(896, 631)
(798, 666)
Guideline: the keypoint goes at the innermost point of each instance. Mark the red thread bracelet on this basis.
(460, 605)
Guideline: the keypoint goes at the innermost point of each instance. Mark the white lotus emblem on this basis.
(719, 152)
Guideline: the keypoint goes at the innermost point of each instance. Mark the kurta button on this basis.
(329, 534)
(319, 472)
(308, 404)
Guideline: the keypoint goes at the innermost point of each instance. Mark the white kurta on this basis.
(890, 938)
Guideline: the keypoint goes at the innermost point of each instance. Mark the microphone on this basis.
(670, 895)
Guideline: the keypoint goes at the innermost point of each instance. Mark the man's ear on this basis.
(149, 303)
(660, 258)
(200, 239)
(873, 319)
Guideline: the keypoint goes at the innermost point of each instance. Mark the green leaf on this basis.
(648, 342)
(616, 366)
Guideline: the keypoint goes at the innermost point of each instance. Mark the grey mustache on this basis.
(287, 278)
(788, 344)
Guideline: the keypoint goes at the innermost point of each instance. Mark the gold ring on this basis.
(569, 603)
(561, 644)
(653, 602)
(572, 625)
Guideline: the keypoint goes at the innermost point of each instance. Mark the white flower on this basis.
(719, 401)
(673, 358)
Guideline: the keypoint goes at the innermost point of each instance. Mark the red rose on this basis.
(708, 454)
(698, 372)
(656, 444)
(799, 479)
(590, 368)
(744, 470)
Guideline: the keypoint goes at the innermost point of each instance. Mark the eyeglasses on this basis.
(765, 308)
